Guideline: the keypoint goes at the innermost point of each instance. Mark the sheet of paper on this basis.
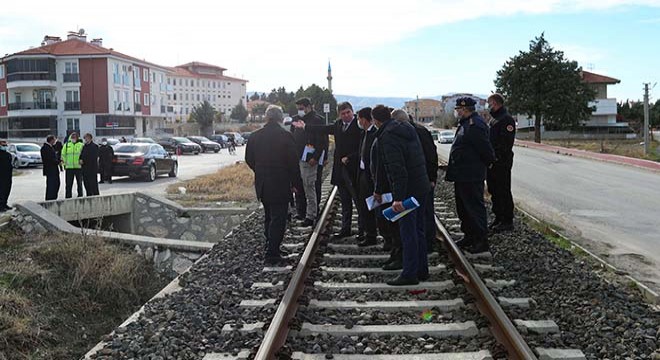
(372, 203)
(307, 152)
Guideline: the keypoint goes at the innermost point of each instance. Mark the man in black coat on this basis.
(58, 150)
(6, 173)
(502, 136)
(314, 148)
(470, 155)
(401, 153)
(106, 155)
(271, 154)
(51, 167)
(345, 163)
(365, 180)
(89, 161)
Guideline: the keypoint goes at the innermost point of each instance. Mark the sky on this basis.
(376, 48)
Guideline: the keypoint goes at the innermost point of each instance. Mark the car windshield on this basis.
(27, 148)
(181, 140)
(447, 133)
(202, 138)
(131, 148)
(143, 140)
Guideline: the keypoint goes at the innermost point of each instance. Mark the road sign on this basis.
(111, 124)
(326, 108)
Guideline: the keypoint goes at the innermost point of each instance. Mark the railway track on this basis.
(337, 305)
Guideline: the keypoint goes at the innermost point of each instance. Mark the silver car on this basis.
(446, 137)
(24, 154)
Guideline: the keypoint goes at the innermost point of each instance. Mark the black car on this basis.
(246, 136)
(143, 160)
(181, 143)
(220, 139)
(205, 143)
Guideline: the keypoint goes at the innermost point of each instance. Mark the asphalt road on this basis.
(614, 210)
(31, 184)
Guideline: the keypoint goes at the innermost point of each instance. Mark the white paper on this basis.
(308, 150)
(362, 164)
(372, 203)
(322, 158)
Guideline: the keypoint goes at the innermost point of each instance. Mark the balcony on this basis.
(33, 106)
(36, 79)
(170, 109)
(72, 106)
(604, 107)
(71, 77)
(162, 109)
(138, 108)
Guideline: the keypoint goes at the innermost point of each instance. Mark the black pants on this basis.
(72, 174)
(366, 218)
(5, 189)
(91, 182)
(429, 216)
(499, 187)
(52, 186)
(472, 210)
(106, 173)
(390, 232)
(274, 227)
(319, 181)
(346, 199)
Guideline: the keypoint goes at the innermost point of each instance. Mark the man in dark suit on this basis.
(365, 181)
(345, 163)
(106, 155)
(51, 167)
(89, 162)
(271, 154)
(6, 173)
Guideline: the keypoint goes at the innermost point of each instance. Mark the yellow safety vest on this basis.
(71, 155)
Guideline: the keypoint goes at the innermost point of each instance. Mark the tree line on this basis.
(287, 100)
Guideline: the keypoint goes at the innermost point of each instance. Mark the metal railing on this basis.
(37, 76)
(34, 105)
(72, 105)
(71, 77)
(138, 107)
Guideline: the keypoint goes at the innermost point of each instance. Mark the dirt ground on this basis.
(630, 148)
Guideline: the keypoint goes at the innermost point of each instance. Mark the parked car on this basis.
(223, 140)
(113, 142)
(446, 137)
(246, 136)
(435, 133)
(237, 138)
(24, 155)
(185, 145)
(205, 143)
(143, 160)
(143, 140)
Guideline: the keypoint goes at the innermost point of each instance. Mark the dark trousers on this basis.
(5, 190)
(471, 210)
(390, 232)
(52, 186)
(91, 183)
(274, 227)
(429, 216)
(319, 181)
(70, 175)
(366, 218)
(499, 187)
(413, 241)
(346, 199)
(106, 174)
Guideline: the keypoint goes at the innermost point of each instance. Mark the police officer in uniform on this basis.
(471, 154)
(502, 135)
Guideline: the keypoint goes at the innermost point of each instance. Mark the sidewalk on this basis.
(616, 159)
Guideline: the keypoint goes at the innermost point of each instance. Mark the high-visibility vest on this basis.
(71, 155)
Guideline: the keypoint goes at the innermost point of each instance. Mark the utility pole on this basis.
(416, 108)
(647, 141)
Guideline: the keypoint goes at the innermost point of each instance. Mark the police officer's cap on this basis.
(465, 102)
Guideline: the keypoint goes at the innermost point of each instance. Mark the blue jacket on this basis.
(471, 153)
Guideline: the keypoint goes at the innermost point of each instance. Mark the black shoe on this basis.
(7, 208)
(274, 260)
(307, 222)
(360, 238)
(101, 182)
(502, 227)
(299, 218)
(463, 242)
(342, 234)
(494, 223)
(368, 241)
(479, 247)
(393, 265)
(423, 277)
(110, 182)
(401, 281)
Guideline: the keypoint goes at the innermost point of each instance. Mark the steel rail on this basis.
(501, 326)
(278, 330)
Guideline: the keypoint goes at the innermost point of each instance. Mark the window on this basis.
(174, 97)
(160, 78)
(117, 101)
(72, 96)
(153, 77)
(73, 124)
(145, 75)
(115, 74)
(124, 74)
(146, 99)
(136, 76)
(2, 71)
(70, 67)
(3, 99)
(126, 103)
(192, 82)
(197, 97)
(174, 82)
(186, 97)
(137, 98)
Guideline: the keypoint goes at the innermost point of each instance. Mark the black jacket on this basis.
(471, 152)
(90, 157)
(271, 154)
(401, 154)
(502, 134)
(366, 142)
(50, 160)
(304, 137)
(347, 144)
(430, 151)
(106, 154)
(6, 169)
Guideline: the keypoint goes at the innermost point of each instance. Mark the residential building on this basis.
(425, 110)
(605, 111)
(449, 101)
(196, 82)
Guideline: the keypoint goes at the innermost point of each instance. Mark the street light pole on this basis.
(647, 145)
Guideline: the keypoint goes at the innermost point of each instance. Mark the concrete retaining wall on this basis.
(90, 207)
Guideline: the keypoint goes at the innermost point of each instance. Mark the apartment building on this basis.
(426, 110)
(196, 82)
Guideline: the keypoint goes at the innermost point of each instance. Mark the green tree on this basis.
(543, 84)
(204, 114)
(259, 110)
(239, 112)
(320, 96)
(254, 96)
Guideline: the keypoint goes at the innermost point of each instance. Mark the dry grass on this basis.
(234, 183)
(629, 148)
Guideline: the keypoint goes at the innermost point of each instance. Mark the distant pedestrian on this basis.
(502, 136)
(6, 173)
(123, 140)
(71, 159)
(106, 155)
(89, 161)
(470, 155)
(271, 154)
(51, 167)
